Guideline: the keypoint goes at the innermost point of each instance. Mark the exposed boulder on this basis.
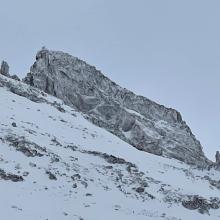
(140, 190)
(14, 124)
(15, 77)
(51, 175)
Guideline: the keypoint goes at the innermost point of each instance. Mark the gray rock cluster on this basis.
(11, 177)
(22, 145)
(137, 120)
(201, 204)
(4, 70)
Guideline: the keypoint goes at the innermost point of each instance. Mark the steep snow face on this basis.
(56, 165)
(140, 122)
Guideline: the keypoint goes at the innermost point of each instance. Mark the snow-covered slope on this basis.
(56, 165)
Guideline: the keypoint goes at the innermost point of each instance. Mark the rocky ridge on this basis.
(135, 119)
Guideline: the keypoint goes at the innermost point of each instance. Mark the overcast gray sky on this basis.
(168, 51)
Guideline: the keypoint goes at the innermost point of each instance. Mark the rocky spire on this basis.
(217, 157)
(43, 54)
(4, 68)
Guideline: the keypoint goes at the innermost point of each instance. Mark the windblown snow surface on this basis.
(56, 165)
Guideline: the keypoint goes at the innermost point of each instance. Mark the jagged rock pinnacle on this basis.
(4, 68)
(217, 157)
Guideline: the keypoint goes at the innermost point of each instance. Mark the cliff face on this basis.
(137, 120)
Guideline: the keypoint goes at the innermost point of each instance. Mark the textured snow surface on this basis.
(70, 174)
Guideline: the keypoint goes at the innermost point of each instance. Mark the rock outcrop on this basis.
(15, 77)
(137, 120)
(217, 157)
(4, 68)
(50, 152)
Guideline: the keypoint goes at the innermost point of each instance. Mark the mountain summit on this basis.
(135, 119)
